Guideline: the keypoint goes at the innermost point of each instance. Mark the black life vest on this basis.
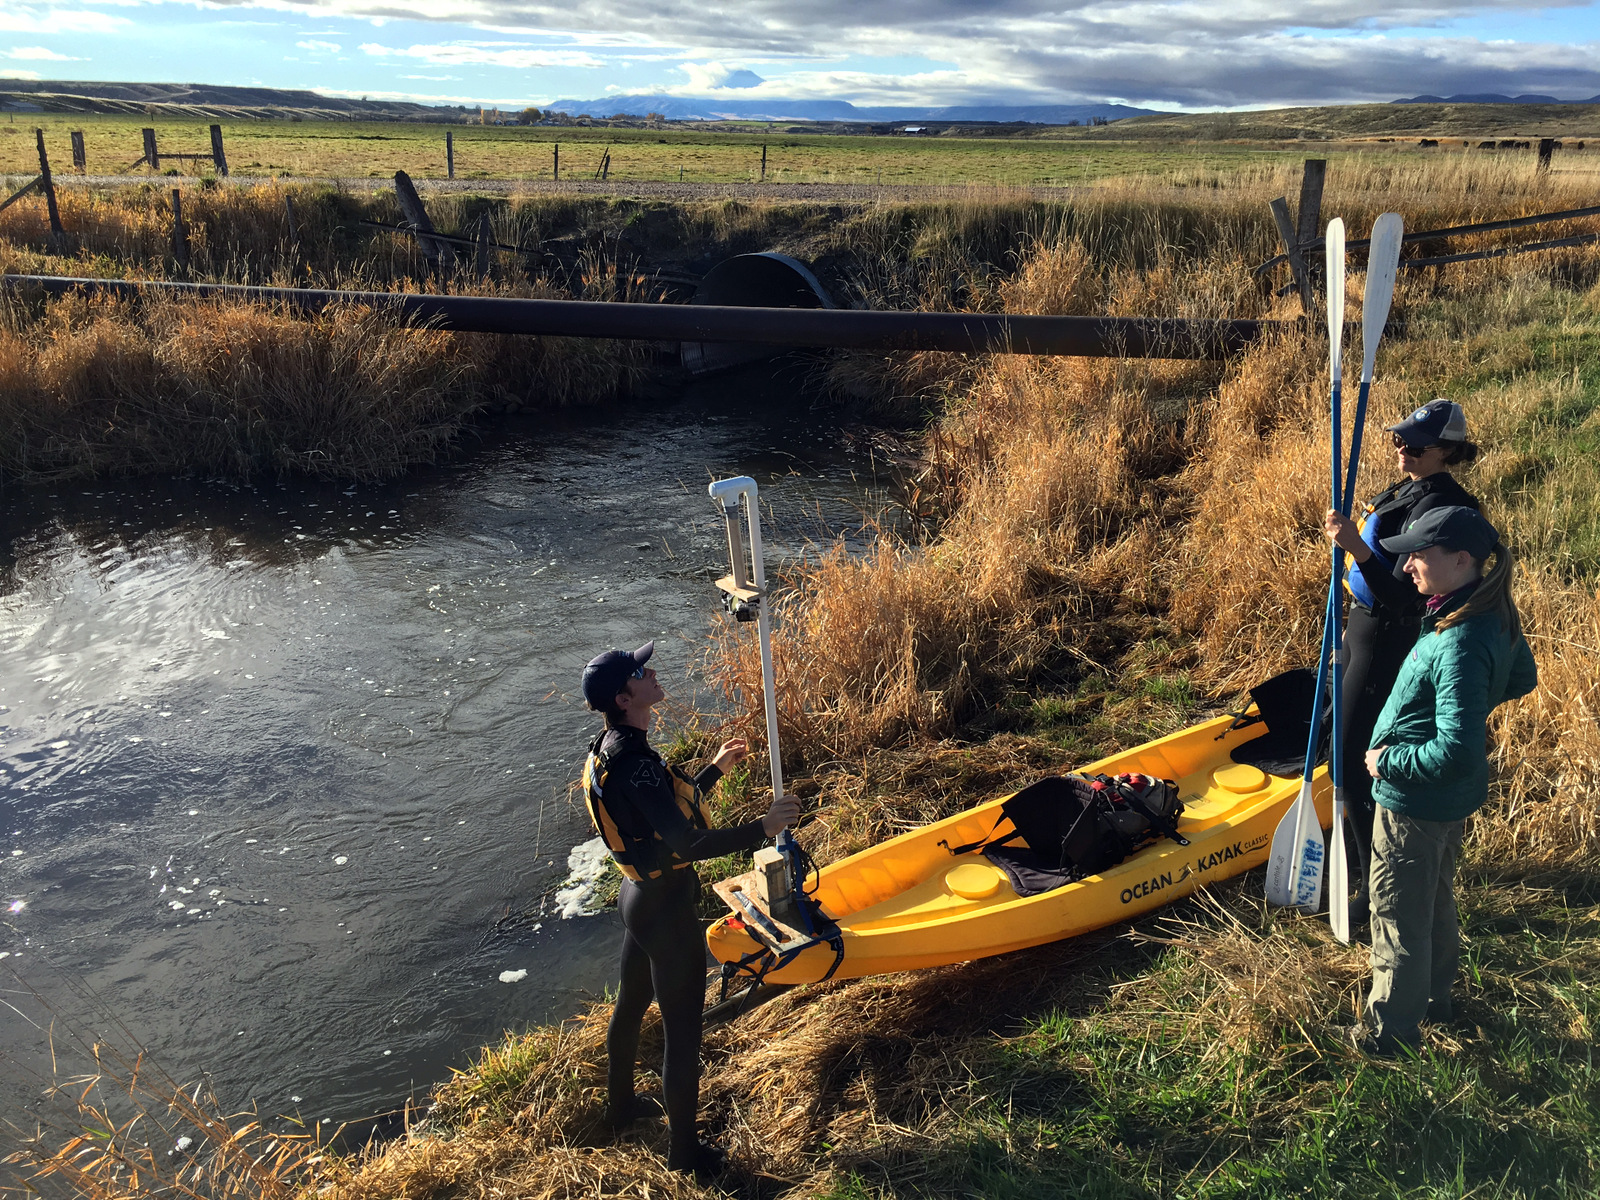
(637, 858)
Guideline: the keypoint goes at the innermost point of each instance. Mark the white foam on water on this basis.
(585, 865)
(59, 745)
(16, 906)
(341, 860)
(215, 634)
(176, 905)
(183, 1144)
(513, 976)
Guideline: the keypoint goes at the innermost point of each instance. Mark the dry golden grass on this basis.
(1094, 522)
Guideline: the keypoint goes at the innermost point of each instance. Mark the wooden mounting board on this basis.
(748, 595)
(746, 883)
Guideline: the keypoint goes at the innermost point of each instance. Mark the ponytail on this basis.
(1460, 454)
(1493, 595)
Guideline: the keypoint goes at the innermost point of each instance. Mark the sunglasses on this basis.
(1409, 450)
(639, 672)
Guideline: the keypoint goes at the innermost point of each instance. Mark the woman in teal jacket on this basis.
(1430, 767)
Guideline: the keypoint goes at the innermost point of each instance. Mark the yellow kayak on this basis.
(908, 902)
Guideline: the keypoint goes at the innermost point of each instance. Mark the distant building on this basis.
(915, 129)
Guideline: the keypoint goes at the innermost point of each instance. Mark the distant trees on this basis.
(530, 116)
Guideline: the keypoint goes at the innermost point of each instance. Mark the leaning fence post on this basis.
(180, 235)
(555, 169)
(80, 158)
(1309, 217)
(1291, 250)
(763, 164)
(449, 154)
(151, 154)
(417, 216)
(1547, 147)
(219, 159)
(48, 187)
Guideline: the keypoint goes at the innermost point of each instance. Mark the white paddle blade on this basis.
(1339, 876)
(1295, 863)
(1333, 242)
(1383, 261)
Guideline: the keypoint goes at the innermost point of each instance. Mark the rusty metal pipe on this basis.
(979, 333)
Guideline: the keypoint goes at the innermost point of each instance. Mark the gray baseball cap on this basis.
(1437, 422)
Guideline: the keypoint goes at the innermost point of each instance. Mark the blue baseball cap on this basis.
(1438, 422)
(1454, 528)
(608, 673)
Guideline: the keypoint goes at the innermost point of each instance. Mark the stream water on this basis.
(284, 770)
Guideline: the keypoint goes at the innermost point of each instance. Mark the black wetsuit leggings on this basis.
(663, 958)
(1375, 650)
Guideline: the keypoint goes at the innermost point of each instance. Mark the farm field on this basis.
(353, 150)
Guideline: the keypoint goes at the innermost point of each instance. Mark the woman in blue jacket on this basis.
(1430, 766)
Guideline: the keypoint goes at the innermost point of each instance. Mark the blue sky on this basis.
(1159, 53)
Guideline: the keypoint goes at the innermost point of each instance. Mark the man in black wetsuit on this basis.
(653, 821)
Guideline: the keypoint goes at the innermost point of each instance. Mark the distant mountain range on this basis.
(1492, 98)
(699, 108)
(197, 98)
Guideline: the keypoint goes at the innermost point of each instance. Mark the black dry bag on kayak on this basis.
(1075, 825)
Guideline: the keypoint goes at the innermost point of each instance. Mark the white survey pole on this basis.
(750, 592)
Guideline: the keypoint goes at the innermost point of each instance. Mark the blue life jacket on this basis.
(1353, 578)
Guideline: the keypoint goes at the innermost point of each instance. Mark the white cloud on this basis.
(13, 73)
(317, 47)
(39, 54)
(435, 78)
(705, 77)
(1172, 52)
(485, 54)
(26, 18)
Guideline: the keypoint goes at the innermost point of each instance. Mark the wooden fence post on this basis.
(1309, 217)
(555, 170)
(1291, 250)
(80, 158)
(180, 235)
(152, 156)
(763, 164)
(449, 154)
(218, 158)
(417, 216)
(484, 244)
(1547, 147)
(48, 187)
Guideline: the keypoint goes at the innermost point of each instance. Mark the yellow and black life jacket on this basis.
(638, 858)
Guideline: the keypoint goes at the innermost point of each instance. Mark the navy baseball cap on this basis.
(1454, 528)
(1437, 422)
(608, 674)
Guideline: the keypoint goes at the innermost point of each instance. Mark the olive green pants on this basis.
(1416, 940)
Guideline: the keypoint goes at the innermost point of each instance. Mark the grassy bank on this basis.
(1111, 550)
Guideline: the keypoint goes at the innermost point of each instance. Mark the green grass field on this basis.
(350, 149)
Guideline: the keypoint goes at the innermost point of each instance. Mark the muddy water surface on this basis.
(285, 769)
